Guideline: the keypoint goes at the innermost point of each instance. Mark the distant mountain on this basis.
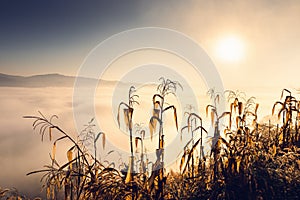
(45, 80)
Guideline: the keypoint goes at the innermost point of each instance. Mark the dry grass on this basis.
(249, 161)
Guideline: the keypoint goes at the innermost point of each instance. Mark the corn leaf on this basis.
(182, 161)
(54, 150)
(152, 124)
(190, 154)
(274, 106)
(207, 107)
(136, 141)
(126, 118)
(50, 133)
(143, 134)
(240, 107)
(256, 108)
(217, 98)
(151, 129)
(70, 155)
(212, 115)
(103, 139)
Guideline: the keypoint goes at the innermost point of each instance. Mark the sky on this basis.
(55, 36)
(254, 45)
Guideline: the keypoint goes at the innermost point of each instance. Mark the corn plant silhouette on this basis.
(215, 117)
(192, 127)
(141, 132)
(241, 107)
(252, 161)
(288, 106)
(165, 88)
(128, 114)
(77, 176)
(217, 139)
(89, 136)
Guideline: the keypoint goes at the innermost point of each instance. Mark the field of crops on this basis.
(246, 159)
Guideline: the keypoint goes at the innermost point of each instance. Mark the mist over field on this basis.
(22, 151)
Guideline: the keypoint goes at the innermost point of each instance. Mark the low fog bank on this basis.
(21, 149)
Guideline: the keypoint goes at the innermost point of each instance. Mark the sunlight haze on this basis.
(253, 45)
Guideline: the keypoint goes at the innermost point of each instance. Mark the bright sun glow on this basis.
(230, 49)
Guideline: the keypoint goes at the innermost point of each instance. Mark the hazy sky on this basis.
(55, 36)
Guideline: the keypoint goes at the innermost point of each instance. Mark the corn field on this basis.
(246, 159)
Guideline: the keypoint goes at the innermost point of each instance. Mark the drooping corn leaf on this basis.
(155, 113)
(119, 107)
(237, 121)
(231, 107)
(182, 160)
(256, 108)
(152, 124)
(201, 128)
(217, 98)
(224, 114)
(151, 129)
(285, 90)
(274, 106)
(181, 132)
(240, 107)
(175, 117)
(126, 118)
(190, 154)
(50, 133)
(54, 150)
(143, 134)
(207, 107)
(103, 139)
(70, 157)
(136, 141)
(130, 114)
(212, 115)
(189, 120)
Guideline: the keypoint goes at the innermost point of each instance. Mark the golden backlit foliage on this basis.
(246, 160)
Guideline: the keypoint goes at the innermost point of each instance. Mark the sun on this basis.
(230, 49)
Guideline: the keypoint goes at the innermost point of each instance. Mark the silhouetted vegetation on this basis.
(247, 160)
